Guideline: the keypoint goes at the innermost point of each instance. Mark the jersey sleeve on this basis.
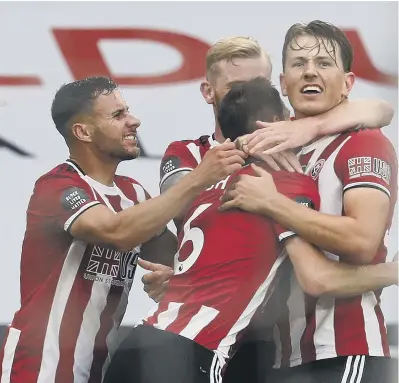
(298, 187)
(177, 159)
(367, 159)
(60, 200)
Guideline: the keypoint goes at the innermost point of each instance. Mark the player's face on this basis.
(240, 69)
(313, 78)
(115, 132)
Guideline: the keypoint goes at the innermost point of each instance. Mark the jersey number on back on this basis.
(196, 236)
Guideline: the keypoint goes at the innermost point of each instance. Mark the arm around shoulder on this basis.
(321, 276)
(352, 114)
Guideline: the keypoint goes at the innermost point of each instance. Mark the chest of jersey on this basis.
(108, 265)
(319, 162)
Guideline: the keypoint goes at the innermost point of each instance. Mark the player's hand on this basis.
(276, 137)
(155, 282)
(285, 160)
(219, 162)
(250, 193)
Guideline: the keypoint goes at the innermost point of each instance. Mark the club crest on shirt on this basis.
(317, 168)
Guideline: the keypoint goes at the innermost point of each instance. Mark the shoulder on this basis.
(184, 145)
(368, 137)
(369, 142)
(61, 185)
(62, 174)
(281, 177)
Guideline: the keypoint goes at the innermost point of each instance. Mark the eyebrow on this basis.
(317, 58)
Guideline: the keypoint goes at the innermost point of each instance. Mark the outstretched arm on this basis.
(354, 113)
(350, 114)
(321, 276)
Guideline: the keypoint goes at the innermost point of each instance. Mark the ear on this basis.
(207, 92)
(348, 85)
(283, 85)
(82, 132)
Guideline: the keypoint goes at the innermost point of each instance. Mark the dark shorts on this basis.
(149, 355)
(251, 363)
(346, 369)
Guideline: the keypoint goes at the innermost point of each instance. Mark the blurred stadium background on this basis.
(156, 51)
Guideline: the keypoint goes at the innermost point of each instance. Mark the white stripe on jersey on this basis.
(88, 330)
(371, 324)
(195, 151)
(246, 316)
(318, 148)
(139, 192)
(325, 331)
(297, 321)
(324, 339)
(199, 321)
(372, 184)
(168, 316)
(9, 352)
(212, 142)
(112, 337)
(51, 350)
(330, 190)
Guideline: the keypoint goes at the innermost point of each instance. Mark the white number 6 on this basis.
(196, 236)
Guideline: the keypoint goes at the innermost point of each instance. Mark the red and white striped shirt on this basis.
(320, 328)
(73, 294)
(227, 262)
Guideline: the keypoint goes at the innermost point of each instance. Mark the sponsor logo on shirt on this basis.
(112, 266)
(369, 166)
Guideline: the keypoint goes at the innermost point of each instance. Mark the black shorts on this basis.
(345, 369)
(251, 363)
(149, 355)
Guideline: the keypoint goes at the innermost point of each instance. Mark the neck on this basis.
(95, 167)
(218, 134)
(299, 115)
